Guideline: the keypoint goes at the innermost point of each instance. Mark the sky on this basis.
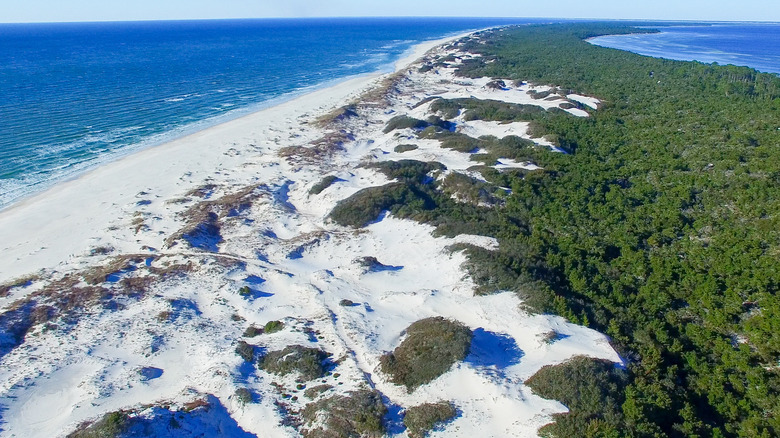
(124, 10)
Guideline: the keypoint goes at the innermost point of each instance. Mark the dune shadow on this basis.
(282, 196)
(490, 349)
(209, 419)
(150, 373)
(260, 294)
(247, 369)
(3, 408)
(394, 418)
(206, 236)
(371, 264)
(254, 280)
(116, 276)
(184, 308)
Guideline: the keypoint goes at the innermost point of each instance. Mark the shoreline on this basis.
(408, 57)
(32, 228)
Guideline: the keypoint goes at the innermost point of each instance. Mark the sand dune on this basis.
(154, 266)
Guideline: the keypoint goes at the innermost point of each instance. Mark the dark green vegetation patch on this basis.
(246, 351)
(243, 395)
(315, 391)
(365, 206)
(415, 196)
(591, 389)
(419, 420)
(253, 331)
(322, 185)
(357, 414)
(489, 110)
(273, 327)
(468, 189)
(309, 363)
(113, 424)
(511, 146)
(431, 347)
(406, 122)
(401, 148)
(661, 227)
(408, 170)
(402, 198)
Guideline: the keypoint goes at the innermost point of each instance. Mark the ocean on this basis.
(76, 95)
(754, 45)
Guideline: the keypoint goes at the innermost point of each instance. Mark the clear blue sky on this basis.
(101, 10)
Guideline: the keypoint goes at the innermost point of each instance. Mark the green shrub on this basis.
(253, 331)
(449, 109)
(410, 196)
(408, 170)
(323, 184)
(511, 146)
(113, 424)
(246, 351)
(419, 420)
(539, 94)
(404, 122)
(309, 363)
(489, 110)
(273, 327)
(243, 395)
(245, 291)
(468, 189)
(460, 142)
(440, 123)
(366, 205)
(592, 389)
(431, 347)
(314, 391)
(358, 414)
(401, 148)
(496, 84)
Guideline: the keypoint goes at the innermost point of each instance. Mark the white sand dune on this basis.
(175, 341)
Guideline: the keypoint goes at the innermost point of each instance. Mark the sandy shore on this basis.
(55, 226)
(152, 269)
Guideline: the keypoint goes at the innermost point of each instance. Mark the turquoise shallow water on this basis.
(76, 95)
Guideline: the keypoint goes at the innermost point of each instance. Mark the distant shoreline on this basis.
(713, 47)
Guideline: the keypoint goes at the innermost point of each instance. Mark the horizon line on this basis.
(153, 20)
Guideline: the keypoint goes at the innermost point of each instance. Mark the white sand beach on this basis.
(58, 225)
(84, 247)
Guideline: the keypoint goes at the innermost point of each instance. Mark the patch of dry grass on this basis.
(322, 148)
(5, 288)
(209, 213)
(337, 115)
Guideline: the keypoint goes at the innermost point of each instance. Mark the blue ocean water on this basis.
(75, 95)
(754, 45)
